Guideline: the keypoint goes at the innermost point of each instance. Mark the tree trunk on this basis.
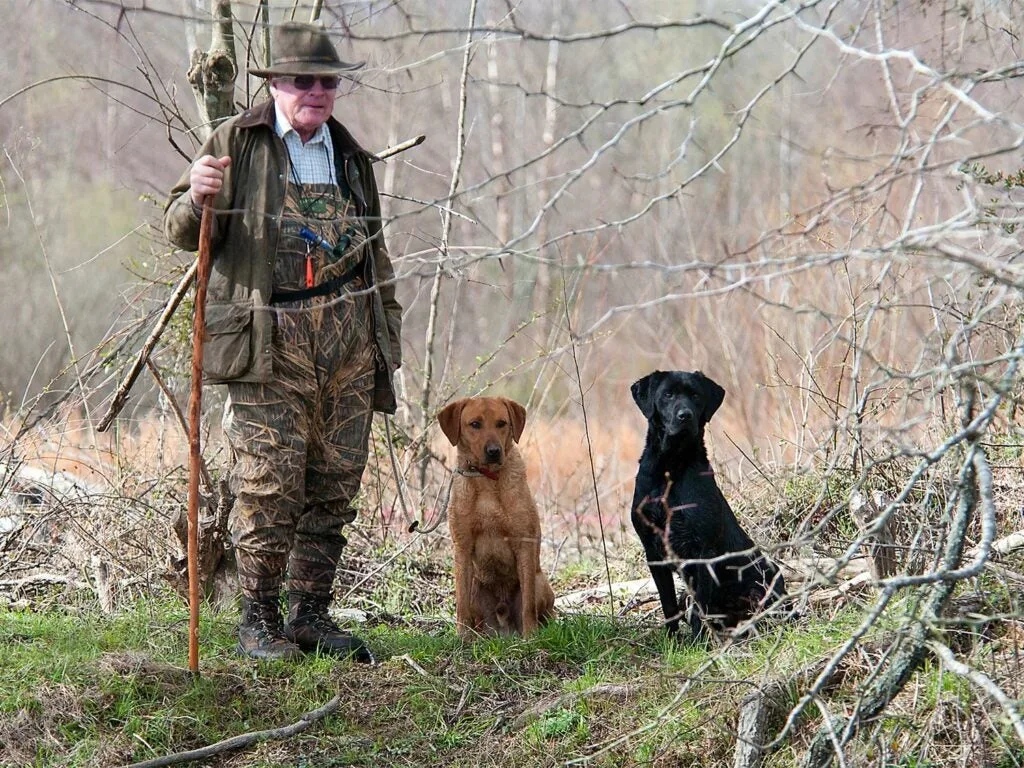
(212, 73)
(503, 217)
(446, 226)
(542, 298)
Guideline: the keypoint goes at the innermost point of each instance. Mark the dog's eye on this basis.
(476, 424)
(501, 424)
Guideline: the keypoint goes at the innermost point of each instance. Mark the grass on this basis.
(78, 688)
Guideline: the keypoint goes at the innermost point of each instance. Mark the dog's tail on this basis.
(503, 615)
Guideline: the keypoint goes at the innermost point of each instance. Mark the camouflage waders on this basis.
(300, 441)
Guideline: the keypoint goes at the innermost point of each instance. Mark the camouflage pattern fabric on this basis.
(299, 442)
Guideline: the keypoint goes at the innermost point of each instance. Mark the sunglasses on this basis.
(306, 82)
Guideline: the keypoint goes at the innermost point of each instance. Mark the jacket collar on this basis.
(264, 115)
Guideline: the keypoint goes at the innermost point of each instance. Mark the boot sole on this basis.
(286, 655)
(362, 655)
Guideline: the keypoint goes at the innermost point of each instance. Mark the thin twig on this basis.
(412, 663)
(590, 449)
(180, 418)
(244, 740)
(394, 467)
(53, 285)
(982, 681)
(121, 395)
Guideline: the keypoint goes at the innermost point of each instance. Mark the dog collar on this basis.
(472, 471)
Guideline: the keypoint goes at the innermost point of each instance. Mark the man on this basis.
(303, 327)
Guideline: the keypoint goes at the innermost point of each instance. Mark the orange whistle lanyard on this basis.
(309, 267)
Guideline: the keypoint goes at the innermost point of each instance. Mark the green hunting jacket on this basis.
(239, 325)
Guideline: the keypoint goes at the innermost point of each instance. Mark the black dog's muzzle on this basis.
(681, 421)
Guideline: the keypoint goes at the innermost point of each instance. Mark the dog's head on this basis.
(679, 403)
(483, 428)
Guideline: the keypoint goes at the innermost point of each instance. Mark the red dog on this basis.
(499, 585)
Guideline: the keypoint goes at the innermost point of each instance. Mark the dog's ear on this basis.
(713, 395)
(516, 417)
(450, 420)
(643, 392)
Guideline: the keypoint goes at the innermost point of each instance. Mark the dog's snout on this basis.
(492, 452)
(685, 415)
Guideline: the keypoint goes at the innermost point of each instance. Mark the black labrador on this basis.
(680, 514)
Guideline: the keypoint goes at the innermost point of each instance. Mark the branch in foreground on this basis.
(833, 734)
(121, 396)
(245, 739)
(982, 681)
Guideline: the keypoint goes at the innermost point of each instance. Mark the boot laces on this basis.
(318, 616)
(266, 619)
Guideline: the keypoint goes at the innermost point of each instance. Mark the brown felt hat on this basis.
(302, 49)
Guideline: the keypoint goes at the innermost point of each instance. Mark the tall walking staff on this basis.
(194, 407)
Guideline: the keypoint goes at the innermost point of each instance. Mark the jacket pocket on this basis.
(227, 347)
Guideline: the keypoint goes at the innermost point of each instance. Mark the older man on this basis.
(303, 327)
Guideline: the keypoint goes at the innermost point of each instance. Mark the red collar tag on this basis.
(485, 472)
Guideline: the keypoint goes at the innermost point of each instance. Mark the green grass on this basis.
(78, 689)
(107, 690)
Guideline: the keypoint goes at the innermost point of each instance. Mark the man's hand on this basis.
(207, 177)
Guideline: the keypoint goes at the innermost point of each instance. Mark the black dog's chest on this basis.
(664, 501)
(687, 510)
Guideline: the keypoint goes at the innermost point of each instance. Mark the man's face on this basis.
(306, 110)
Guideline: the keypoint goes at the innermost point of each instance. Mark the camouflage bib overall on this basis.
(300, 441)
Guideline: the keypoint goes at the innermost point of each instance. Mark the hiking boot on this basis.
(312, 629)
(261, 636)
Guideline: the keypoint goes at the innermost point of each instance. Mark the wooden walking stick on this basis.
(194, 458)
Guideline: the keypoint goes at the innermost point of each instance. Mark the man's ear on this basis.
(450, 420)
(643, 392)
(713, 395)
(516, 417)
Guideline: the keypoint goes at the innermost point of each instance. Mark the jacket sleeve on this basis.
(383, 267)
(181, 217)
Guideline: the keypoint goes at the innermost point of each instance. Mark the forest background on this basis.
(816, 203)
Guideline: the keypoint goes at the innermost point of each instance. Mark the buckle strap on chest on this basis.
(326, 288)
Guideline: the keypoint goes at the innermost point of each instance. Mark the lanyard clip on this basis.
(313, 238)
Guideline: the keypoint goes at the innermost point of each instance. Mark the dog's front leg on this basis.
(664, 580)
(703, 584)
(527, 565)
(463, 590)
(663, 573)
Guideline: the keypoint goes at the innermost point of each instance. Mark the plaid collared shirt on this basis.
(312, 162)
